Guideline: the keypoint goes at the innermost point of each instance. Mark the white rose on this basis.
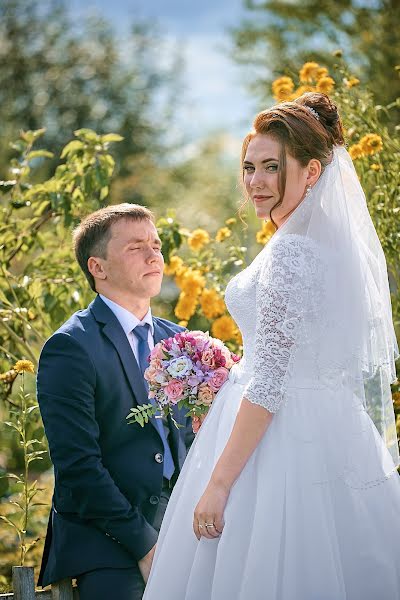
(179, 367)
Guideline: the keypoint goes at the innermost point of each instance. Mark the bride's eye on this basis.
(271, 168)
(248, 168)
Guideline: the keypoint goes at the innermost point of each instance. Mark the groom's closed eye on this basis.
(140, 244)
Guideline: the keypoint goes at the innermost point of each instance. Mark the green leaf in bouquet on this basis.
(141, 414)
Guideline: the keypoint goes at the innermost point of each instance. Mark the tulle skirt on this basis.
(314, 515)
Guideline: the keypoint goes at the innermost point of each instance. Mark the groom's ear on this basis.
(96, 268)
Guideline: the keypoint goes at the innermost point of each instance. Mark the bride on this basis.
(290, 490)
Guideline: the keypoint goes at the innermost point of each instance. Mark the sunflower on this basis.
(212, 304)
(198, 239)
(224, 328)
(186, 306)
(282, 88)
(222, 234)
(308, 72)
(24, 366)
(174, 265)
(371, 143)
(325, 85)
(266, 232)
(356, 151)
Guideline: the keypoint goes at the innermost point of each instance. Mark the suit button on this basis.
(159, 457)
(154, 499)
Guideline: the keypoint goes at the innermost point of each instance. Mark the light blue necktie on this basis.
(142, 334)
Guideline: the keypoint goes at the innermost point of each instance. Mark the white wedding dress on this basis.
(315, 513)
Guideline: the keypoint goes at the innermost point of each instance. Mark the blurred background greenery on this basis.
(66, 73)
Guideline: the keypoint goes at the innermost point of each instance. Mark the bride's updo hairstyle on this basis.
(307, 128)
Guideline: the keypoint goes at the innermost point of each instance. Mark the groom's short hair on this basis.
(91, 236)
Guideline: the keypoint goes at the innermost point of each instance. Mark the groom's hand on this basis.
(145, 564)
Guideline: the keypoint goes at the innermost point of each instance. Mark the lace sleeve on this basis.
(283, 292)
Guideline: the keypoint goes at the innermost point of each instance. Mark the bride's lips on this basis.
(259, 198)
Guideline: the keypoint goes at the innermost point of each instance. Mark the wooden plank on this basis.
(39, 595)
(23, 583)
(62, 590)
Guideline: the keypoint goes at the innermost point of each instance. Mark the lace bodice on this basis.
(271, 300)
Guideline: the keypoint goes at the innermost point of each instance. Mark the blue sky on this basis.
(214, 91)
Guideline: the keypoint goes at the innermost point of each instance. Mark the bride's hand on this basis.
(210, 511)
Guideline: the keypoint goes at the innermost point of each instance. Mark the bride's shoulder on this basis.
(293, 247)
(291, 255)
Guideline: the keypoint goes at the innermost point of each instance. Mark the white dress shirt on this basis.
(128, 321)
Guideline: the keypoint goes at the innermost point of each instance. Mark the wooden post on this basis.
(62, 590)
(23, 583)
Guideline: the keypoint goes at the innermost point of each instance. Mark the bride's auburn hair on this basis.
(299, 132)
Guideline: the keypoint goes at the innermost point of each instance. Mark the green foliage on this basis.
(41, 282)
(20, 416)
(378, 171)
(282, 35)
(41, 285)
(63, 75)
(141, 414)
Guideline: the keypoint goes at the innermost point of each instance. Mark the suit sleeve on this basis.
(66, 393)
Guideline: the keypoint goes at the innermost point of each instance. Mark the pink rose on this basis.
(197, 422)
(174, 390)
(218, 378)
(207, 358)
(205, 395)
(151, 372)
(157, 353)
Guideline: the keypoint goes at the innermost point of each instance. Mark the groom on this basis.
(112, 479)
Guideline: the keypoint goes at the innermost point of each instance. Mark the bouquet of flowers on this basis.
(188, 370)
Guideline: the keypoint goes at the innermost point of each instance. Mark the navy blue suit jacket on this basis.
(107, 477)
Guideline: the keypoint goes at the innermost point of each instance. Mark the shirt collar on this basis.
(127, 320)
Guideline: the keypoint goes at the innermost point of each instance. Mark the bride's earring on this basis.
(308, 189)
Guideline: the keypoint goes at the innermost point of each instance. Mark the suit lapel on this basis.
(114, 332)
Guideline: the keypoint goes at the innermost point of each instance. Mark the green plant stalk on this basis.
(20, 341)
(26, 473)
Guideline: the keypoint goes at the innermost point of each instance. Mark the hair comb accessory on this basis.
(312, 111)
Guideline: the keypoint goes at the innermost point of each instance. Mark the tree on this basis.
(290, 33)
(62, 76)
